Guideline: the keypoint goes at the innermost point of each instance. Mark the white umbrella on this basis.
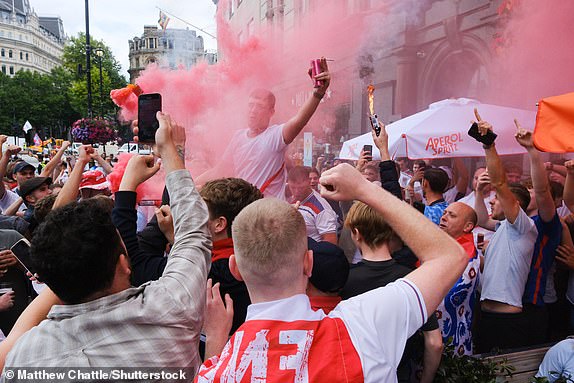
(441, 132)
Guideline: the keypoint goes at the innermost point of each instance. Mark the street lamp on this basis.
(88, 54)
(100, 54)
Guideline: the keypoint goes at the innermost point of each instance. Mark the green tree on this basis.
(39, 98)
(74, 57)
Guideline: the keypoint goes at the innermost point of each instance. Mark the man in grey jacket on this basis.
(104, 321)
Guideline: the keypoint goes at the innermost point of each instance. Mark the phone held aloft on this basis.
(148, 106)
(368, 149)
(487, 139)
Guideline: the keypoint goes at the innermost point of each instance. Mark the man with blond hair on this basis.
(362, 339)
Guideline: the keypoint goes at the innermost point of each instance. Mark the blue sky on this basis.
(117, 21)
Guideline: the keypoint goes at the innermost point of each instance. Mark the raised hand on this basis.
(483, 126)
(344, 183)
(85, 153)
(139, 169)
(165, 222)
(523, 136)
(483, 182)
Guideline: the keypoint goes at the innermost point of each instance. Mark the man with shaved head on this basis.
(361, 339)
(456, 311)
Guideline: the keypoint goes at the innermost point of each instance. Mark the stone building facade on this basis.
(27, 41)
(433, 49)
(169, 48)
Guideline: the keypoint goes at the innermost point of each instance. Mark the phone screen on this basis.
(148, 106)
(21, 250)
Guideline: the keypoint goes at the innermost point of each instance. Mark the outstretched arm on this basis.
(544, 200)
(69, 192)
(442, 259)
(294, 126)
(569, 185)
(50, 166)
(497, 175)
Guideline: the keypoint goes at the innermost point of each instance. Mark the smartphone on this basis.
(21, 250)
(148, 106)
(487, 139)
(368, 148)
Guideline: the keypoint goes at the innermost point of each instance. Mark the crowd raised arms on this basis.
(261, 269)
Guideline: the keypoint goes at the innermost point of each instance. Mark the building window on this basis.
(151, 43)
(10, 53)
(11, 70)
(4, 69)
(21, 56)
(2, 52)
(26, 56)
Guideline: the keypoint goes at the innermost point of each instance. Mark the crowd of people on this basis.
(258, 270)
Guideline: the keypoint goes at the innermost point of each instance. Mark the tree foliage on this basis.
(52, 102)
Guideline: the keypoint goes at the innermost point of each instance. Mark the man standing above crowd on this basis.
(362, 339)
(320, 219)
(256, 154)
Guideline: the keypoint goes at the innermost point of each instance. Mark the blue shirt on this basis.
(435, 210)
(548, 239)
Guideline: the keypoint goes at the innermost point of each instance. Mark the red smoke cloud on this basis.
(211, 100)
(537, 57)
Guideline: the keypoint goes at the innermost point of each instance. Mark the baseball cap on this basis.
(330, 266)
(22, 165)
(32, 184)
(94, 179)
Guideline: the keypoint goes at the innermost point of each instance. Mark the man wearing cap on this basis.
(94, 182)
(32, 191)
(22, 171)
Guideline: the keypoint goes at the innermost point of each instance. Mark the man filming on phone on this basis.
(256, 154)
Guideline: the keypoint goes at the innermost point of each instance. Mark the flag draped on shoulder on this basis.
(554, 130)
(163, 20)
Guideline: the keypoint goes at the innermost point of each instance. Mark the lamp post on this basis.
(88, 54)
(100, 54)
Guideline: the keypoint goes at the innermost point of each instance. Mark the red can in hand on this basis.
(315, 70)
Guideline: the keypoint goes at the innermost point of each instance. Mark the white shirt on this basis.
(8, 199)
(378, 323)
(319, 217)
(257, 159)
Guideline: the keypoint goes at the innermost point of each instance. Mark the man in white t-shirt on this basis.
(363, 338)
(320, 218)
(256, 154)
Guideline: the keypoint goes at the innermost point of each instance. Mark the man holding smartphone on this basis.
(256, 154)
(111, 322)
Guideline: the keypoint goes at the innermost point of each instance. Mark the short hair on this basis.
(556, 189)
(370, 223)
(512, 167)
(420, 163)
(226, 197)
(521, 193)
(264, 94)
(76, 249)
(437, 179)
(44, 206)
(314, 170)
(299, 173)
(270, 241)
